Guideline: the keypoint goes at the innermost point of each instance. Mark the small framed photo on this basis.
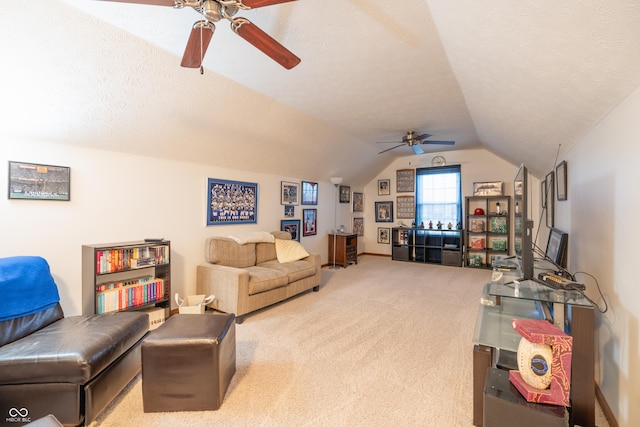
(358, 202)
(494, 188)
(289, 193)
(345, 194)
(289, 211)
(405, 181)
(35, 181)
(384, 187)
(309, 193)
(292, 226)
(384, 211)
(310, 221)
(358, 226)
(561, 180)
(384, 235)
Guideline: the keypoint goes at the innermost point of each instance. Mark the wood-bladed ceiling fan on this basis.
(215, 10)
(414, 141)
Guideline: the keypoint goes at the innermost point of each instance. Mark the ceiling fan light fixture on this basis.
(212, 10)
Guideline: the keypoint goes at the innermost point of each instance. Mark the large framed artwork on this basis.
(309, 193)
(231, 202)
(310, 221)
(35, 181)
(289, 193)
(406, 207)
(405, 181)
(292, 226)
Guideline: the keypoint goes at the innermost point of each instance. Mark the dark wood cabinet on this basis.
(427, 245)
(346, 249)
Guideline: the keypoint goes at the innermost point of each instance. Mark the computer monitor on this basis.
(523, 226)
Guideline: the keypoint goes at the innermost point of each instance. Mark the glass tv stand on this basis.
(495, 340)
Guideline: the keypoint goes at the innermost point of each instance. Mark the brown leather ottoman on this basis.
(188, 363)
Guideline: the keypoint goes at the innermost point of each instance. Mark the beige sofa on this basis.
(247, 277)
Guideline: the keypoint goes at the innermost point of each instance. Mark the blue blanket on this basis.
(26, 287)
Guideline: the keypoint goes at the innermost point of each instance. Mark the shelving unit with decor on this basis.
(427, 245)
(126, 276)
(487, 232)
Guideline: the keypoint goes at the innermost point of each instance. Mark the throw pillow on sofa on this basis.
(289, 251)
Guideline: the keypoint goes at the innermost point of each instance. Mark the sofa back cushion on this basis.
(225, 251)
(267, 251)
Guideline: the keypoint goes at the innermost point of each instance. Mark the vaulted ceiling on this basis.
(522, 80)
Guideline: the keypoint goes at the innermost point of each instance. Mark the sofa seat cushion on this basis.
(295, 270)
(264, 279)
(71, 350)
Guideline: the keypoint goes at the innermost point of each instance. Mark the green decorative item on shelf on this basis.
(499, 245)
(474, 261)
(499, 225)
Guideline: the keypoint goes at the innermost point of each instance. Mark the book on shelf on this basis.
(499, 245)
(117, 296)
(114, 260)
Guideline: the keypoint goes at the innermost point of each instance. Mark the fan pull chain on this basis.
(201, 52)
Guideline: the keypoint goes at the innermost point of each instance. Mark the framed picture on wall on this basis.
(384, 235)
(384, 187)
(310, 221)
(292, 226)
(384, 211)
(231, 202)
(34, 181)
(345, 194)
(358, 226)
(405, 181)
(289, 193)
(309, 193)
(289, 211)
(561, 180)
(406, 207)
(549, 196)
(358, 202)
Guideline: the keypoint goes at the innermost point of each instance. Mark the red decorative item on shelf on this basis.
(478, 211)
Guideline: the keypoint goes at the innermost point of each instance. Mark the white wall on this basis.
(118, 197)
(601, 216)
(476, 166)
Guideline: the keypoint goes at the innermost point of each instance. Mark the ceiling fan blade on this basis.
(170, 3)
(389, 149)
(439, 142)
(260, 3)
(268, 45)
(417, 149)
(197, 44)
(423, 136)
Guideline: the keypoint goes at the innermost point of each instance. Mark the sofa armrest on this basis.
(315, 259)
(230, 285)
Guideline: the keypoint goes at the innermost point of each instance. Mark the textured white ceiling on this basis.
(516, 78)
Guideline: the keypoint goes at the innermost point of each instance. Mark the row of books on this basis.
(113, 260)
(122, 295)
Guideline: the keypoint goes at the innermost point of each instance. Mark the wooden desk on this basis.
(346, 249)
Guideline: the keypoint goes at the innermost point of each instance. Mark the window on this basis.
(438, 195)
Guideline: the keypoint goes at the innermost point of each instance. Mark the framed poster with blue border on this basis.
(231, 202)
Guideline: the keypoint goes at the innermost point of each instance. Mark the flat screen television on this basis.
(523, 226)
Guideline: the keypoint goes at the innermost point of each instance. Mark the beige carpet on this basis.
(384, 343)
